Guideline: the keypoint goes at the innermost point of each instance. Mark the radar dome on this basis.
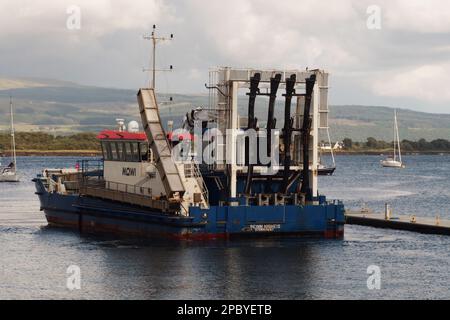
(133, 126)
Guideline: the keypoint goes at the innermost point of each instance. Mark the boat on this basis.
(155, 183)
(324, 169)
(395, 162)
(9, 173)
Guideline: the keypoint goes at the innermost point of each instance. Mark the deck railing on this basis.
(129, 188)
(127, 194)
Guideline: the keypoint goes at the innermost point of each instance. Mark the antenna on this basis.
(155, 39)
(121, 125)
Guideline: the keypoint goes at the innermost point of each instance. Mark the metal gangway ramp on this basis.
(159, 144)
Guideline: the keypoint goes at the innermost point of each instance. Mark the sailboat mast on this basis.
(13, 138)
(331, 147)
(398, 137)
(395, 135)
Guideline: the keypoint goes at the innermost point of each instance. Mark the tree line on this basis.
(44, 141)
(406, 145)
(88, 141)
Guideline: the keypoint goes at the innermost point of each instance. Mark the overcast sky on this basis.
(404, 63)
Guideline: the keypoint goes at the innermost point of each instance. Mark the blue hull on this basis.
(93, 215)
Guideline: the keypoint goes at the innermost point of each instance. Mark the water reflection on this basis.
(34, 258)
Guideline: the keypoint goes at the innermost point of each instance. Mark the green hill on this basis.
(361, 122)
(63, 107)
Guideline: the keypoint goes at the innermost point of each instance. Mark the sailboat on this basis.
(395, 162)
(324, 169)
(9, 173)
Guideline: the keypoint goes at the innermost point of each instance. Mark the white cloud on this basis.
(428, 83)
(273, 33)
(98, 17)
(109, 51)
(195, 74)
(431, 16)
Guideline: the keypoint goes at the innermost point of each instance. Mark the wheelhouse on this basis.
(124, 146)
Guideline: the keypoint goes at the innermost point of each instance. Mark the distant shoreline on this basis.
(94, 153)
(54, 153)
(387, 153)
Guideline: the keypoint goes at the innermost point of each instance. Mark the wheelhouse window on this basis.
(120, 151)
(134, 149)
(114, 155)
(127, 151)
(143, 147)
(106, 149)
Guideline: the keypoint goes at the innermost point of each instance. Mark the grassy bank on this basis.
(389, 152)
(32, 142)
(58, 153)
(373, 146)
(80, 144)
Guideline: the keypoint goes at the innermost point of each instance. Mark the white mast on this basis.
(397, 137)
(331, 147)
(13, 139)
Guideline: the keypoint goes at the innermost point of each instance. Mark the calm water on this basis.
(34, 259)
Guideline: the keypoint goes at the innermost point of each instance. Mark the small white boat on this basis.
(322, 168)
(395, 162)
(391, 163)
(9, 173)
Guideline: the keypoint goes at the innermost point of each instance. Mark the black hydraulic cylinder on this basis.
(271, 121)
(306, 131)
(254, 90)
(287, 131)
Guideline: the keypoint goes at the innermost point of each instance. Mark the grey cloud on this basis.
(109, 50)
